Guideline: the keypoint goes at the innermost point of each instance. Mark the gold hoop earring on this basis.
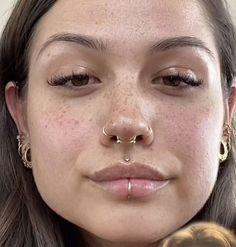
(24, 151)
(223, 147)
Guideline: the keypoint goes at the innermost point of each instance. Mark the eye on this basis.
(74, 80)
(177, 81)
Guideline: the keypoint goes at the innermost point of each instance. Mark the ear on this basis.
(231, 104)
(16, 107)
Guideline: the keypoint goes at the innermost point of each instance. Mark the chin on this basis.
(126, 237)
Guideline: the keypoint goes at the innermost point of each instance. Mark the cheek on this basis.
(54, 133)
(65, 130)
(194, 138)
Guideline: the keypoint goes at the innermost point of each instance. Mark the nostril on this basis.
(121, 134)
(132, 140)
(139, 138)
(113, 138)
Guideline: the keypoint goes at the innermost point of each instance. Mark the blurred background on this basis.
(6, 5)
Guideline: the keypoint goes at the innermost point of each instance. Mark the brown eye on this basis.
(82, 80)
(177, 81)
(171, 81)
(74, 80)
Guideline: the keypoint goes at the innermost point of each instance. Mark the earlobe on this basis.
(15, 107)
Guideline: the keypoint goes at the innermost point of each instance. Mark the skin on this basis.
(64, 125)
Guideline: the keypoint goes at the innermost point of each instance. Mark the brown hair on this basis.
(25, 220)
(201, 235)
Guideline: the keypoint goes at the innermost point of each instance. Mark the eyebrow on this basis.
(100, 45)
(82, 40)
(180, 42)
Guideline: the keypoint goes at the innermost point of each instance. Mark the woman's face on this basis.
(138, 68)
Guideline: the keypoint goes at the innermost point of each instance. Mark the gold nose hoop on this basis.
(121, 141)
(131, 141)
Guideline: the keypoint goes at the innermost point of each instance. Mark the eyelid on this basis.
(181, 71)
(68, 69)
(66, 80)
(177, 79)
(175, 70)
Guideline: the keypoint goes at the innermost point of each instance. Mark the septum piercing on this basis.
(119, 140)
(131, 141)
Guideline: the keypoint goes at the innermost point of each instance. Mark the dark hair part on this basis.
(25, 219)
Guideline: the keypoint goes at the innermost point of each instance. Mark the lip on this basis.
(130, 181)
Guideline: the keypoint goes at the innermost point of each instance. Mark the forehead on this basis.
(126, 23)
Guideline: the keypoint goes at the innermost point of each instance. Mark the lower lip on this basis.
(138, 187)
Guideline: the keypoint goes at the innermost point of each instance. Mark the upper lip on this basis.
(121, 171)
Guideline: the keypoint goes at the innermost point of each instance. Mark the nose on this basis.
(127, 128)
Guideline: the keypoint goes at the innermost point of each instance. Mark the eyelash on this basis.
(172, 81)
(175, 80)
(63, 80)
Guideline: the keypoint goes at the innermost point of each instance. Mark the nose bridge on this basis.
(125, 118)
(125, 104)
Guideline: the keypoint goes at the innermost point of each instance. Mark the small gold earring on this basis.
(223, 147)
(24, 151)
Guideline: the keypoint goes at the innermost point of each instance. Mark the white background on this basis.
(5, 8)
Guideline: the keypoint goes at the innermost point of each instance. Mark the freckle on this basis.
(46, 126)
(90, 120)
(76, 122)
(60, 123)
(105, 96)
